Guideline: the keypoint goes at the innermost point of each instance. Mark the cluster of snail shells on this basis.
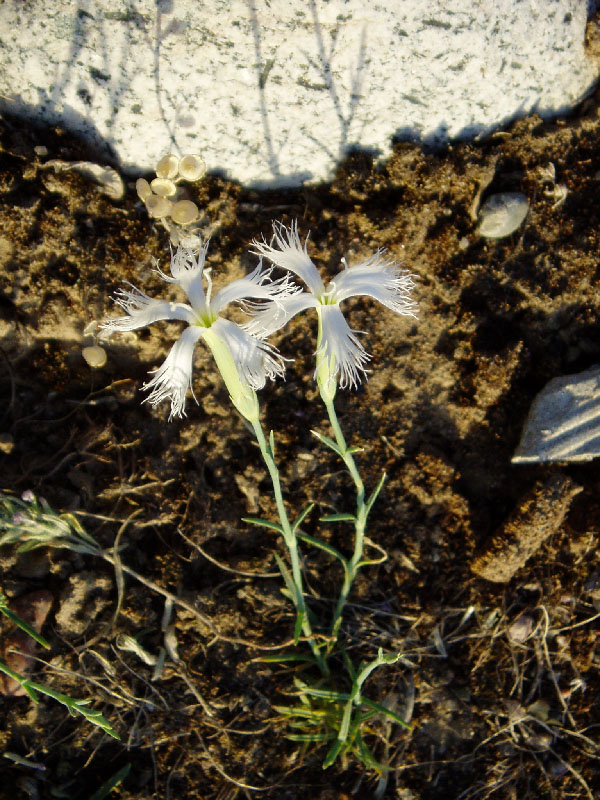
(160, 196)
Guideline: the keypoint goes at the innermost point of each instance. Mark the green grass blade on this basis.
(111, 783)
(302, 516)
(388, 712)
(284, 658)
(346, 720)
(307, 714)
(285, 574)
(328, 443)
(338, 518)
(367, 758)
(298, 626)
(23, 625)
(333, 753)
(326, 694)
(263, 523)
(309, 737)
(327, 548)
(374, 494)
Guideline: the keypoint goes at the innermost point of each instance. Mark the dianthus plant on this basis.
(245, 360)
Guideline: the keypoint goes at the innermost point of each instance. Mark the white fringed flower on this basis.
(244, 360)
(340, 356)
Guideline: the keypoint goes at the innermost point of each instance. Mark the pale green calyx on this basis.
(241, 393)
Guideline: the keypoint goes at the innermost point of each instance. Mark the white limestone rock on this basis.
(275, 93)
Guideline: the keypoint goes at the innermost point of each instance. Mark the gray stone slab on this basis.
(564, 421)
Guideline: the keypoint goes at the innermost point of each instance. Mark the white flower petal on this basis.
(274, 315)
(380, 279)
(255, 360)
(143, 310)
(186, 268)
(339, 344)
(255, 286)
(174, 377)
(290, 254)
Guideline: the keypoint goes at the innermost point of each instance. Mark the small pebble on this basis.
(502, 214)
(7, 443)
(521, 629)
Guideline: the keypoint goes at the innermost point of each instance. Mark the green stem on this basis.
(73, 706)
(361, 515)
(291, 542)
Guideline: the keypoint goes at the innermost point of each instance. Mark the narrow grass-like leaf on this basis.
(349, 666)
(302, 723)
(333, 753)
(388, 712)
(374, 494)
(324, 546)
(298, 626)
(23, 625)
(299, 711)
(327, 694)
(328, 443)
(302, 516)
(346, 719)
(309, 737)
(338, 518)
(294, 594)
(111, 783)
(272, 443)
(285, 574)
(20, 679)
(367, 757)
(263, 523)
(284, 658)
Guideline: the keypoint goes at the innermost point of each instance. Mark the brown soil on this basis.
(500, 680)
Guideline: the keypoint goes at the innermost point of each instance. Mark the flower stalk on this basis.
(291, 542)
